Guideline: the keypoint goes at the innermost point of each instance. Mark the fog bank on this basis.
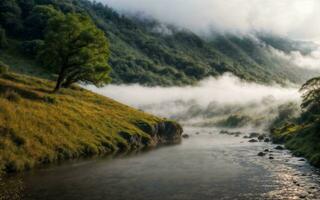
(294, 18)
(208, 103)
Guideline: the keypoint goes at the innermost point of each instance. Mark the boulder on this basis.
(261, 154)
(186, 136)
(253, 140)
(165, 132)
(261, 137)
(279, 148)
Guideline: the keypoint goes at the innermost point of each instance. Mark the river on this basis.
(207, 165)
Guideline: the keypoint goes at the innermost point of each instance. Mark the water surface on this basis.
(205, 166)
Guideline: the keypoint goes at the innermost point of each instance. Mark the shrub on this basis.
(3, 68)
(315, 160)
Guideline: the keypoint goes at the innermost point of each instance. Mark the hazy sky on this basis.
(298, 19)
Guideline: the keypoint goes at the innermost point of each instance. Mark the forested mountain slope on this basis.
(148, 52)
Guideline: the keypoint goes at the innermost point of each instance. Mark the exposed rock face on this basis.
(134, 141)
(166, 132)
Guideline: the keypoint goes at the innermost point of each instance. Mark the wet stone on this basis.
(261, 137)
(261, 154)
(279, 148)
(185, 136)
(253, 140)
(254, 135)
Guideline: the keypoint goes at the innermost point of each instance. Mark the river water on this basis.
(205, 166)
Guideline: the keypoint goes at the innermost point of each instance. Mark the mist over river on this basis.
(207, 165)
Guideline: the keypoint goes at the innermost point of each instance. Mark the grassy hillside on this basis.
(39, 127)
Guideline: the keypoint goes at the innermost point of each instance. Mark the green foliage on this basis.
(311, 95)
(141, 51)
(76, 50)
(3, 38)
(10, 16)
(287, 113)
(26, 7)
(3, 68)
(37, 21)
(301, 134)
(31, 48)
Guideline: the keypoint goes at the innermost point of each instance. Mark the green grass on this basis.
(39, 127)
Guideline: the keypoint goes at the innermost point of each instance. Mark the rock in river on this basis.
(185, 136)
(253, 140)
(261, 137)
(267, 140)
(261, 154)
(279, 148)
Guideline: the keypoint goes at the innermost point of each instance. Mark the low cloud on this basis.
(310, 61)
(294, 18)
(208, 102)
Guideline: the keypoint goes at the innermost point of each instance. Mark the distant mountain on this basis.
(147, 52)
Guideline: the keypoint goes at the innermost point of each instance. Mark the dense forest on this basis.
(146, 51)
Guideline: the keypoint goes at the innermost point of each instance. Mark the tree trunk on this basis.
(67, 83)
(59, 81)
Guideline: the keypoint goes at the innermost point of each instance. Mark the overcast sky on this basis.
(298, 19)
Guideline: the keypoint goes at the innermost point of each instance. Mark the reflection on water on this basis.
(11, 189)
(205, 166)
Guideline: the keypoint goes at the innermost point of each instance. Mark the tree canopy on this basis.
(38, 19)
(311, 95)
(77, 50)
(10, 14)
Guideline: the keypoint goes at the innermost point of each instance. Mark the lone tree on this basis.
(311, 95)
(77, 50)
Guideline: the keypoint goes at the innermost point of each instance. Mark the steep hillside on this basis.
(39, 127)
(148, 52)
(157, 50)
